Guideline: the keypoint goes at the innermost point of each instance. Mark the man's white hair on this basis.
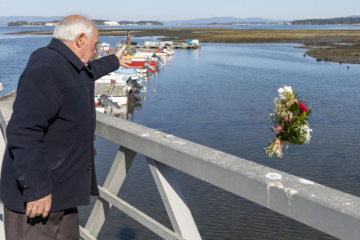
(67, 29)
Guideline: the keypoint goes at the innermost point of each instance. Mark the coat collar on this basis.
(60, 47)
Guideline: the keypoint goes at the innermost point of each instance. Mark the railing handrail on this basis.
(328, 210)
(318, 206)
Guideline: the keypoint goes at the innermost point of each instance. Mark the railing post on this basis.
(117, 174)
(174, 201)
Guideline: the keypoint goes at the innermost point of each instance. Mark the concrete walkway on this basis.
(6, 103)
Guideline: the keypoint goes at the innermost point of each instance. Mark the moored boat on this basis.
(143, 62)
(118, 88)
(160, 52)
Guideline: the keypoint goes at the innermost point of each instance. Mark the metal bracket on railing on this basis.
(174, 201)
(117, 174)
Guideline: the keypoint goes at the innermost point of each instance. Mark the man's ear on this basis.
(80, 40)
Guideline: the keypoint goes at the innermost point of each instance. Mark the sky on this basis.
(182, 10)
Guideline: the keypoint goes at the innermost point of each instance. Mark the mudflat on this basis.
(324, 45)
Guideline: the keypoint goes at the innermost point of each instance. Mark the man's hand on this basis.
(123, 59)
(39, 207)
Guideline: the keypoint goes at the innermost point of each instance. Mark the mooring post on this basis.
(128, 42)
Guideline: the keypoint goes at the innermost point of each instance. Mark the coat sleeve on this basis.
(37, 103)
(104, 65)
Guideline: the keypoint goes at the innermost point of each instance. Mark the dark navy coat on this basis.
(51, 131)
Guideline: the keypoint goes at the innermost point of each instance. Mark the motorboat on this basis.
(117, 88)
(104, 49)
(143, 62)
(154, 53)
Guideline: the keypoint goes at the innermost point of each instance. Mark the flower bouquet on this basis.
(290, 119)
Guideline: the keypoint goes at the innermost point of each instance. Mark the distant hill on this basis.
(6, 20)
(330, 21)
(218, 20)
(29, 19)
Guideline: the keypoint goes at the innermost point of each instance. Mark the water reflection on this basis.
(131, 107)
(127, 233)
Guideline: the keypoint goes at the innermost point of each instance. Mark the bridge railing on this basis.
(328, 210)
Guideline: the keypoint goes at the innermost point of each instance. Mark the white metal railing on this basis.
(328, 210)
(2, 151)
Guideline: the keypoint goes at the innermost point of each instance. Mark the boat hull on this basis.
(138, 64)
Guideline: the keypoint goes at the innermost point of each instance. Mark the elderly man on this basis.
(48, 167)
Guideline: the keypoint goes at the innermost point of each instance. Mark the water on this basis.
(220, 96)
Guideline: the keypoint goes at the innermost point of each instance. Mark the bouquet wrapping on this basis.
(290, 119)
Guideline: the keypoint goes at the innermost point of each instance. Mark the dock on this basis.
(174, 46)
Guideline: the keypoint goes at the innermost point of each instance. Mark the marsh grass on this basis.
(324, 45)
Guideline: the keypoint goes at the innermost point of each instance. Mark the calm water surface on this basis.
(220, 96)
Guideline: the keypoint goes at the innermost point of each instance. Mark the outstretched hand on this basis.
(123, 60)
(39, 207)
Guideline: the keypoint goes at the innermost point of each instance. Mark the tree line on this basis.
(18, 23)
(26, 23)
(331, 21)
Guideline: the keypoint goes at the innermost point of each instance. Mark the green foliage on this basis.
(18, 23)
(99, 21)
(295, 109)
(331, 21)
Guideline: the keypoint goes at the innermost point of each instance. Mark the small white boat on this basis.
(151, 53)
(1, 87)
(120, 95)
(117, 87)
(118, 77)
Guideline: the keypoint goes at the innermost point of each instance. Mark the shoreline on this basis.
(323, 45)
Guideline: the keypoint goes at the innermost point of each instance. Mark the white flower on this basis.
(305, 130)
(283, 91)
(288, 89)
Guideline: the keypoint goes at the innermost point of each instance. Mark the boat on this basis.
(143, 62)
(118, 88)
(160, 52)
(104, 49)
(142, 72)
(1, 87)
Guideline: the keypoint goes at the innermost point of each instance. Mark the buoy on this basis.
(154, 90)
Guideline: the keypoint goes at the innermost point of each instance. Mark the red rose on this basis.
(303, 108)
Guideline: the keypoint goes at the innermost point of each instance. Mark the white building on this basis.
(51, 24)
(111, 23)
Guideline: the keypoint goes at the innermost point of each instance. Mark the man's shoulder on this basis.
(46, 56)
(43, 66)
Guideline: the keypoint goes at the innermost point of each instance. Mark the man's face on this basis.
(90, 46)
